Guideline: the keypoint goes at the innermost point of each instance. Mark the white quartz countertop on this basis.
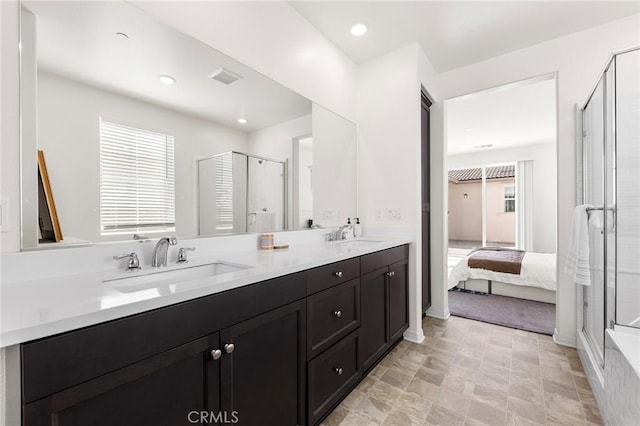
(43, 307)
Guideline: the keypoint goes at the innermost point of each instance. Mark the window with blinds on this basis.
(224, 191)
(509, 199)
(137, 183)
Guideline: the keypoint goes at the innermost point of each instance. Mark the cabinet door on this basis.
(263, 374)
(398, 300)
(374, 330)
(161, 390)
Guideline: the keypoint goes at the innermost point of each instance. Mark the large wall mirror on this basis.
(149, 132)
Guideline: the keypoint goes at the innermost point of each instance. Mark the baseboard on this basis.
(437, 313)
(564, 340)
(412, 336)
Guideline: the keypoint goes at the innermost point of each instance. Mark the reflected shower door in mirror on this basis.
(124, 107)
(241, 193)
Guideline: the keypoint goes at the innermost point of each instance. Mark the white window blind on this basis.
(224, 191)
(509, 199)
(137, 184)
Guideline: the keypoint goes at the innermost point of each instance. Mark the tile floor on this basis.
(472, 373)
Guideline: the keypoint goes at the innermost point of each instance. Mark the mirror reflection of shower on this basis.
(241, 193)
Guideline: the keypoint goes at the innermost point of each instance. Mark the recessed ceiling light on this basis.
(122, 36)
(359, 29)
(242, 120)
(468, 129)
(167, 79)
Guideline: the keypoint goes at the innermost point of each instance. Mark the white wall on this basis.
(389, 155)
(68, 129)
(276, 142)
(578, 60)
(543, 156)
(272, 38)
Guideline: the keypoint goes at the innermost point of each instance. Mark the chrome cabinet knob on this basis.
(337, 314)
(338, 274)
(216, 354)
(338, 371)
(391, 274)
(229, 347)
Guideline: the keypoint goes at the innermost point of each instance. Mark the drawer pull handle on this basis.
(229, 347)
(338, 371)
(337, 314)
(216, 354)
(338, 274)
(391, 274)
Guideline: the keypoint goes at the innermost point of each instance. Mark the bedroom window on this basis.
(137, 183)
(509, 199)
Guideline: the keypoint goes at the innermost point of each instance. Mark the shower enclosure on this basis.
(610, 177)
(241, 193)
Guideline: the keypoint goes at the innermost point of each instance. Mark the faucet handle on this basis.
(182, 254)
(133, 264)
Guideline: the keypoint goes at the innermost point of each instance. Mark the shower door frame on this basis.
(285, 184)
(610, 318)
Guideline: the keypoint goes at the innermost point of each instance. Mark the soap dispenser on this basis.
(349, 230)
(357, 228)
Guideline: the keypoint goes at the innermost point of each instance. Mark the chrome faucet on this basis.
(160, 251)
(339, 233)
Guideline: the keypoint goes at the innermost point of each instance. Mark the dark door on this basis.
(426, 203)
(398, 300)
(263, 374)
(374, 331)
(166, 389)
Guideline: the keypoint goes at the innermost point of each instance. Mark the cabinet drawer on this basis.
(331, 376)
(323, 277)
(332, 314)
(373, 261)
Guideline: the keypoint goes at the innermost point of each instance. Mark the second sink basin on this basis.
(350, 245)
(162, 277)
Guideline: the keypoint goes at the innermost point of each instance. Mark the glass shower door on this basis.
(265, 195)
(594, 184)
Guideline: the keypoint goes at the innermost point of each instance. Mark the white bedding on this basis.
(538, 270)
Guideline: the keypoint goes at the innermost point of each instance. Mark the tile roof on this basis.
(494, 172)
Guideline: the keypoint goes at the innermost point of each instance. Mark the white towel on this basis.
(577, 265)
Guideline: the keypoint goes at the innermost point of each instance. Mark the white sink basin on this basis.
(160, 278)
(348, 245)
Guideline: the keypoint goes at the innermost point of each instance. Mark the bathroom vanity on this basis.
(281, 351)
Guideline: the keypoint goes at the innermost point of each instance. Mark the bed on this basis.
(536, 279)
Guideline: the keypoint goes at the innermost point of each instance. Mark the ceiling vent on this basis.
(225, 76)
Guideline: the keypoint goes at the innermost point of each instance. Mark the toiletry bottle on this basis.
(350, 233)
(357, 228)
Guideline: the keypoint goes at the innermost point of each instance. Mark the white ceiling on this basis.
(455, 33)
(506, 117)
(77, 40)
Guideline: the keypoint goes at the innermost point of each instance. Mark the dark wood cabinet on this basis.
(331, 376)
(161, 390)
(332, 314)
(263, 375)
(398, 283)
(280, 352)
(384, 303)
(374, 330)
